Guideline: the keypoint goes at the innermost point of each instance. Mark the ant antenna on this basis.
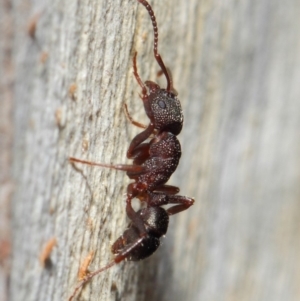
(155, 45)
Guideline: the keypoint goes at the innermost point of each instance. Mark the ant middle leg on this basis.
(133, 169)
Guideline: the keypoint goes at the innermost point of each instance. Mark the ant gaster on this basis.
(154, 162)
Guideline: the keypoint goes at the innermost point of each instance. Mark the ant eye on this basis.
(162, 104)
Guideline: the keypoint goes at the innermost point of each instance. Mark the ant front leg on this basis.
(139, 139)
(133, 151)
(131, 120)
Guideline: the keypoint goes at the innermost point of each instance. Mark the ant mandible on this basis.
(154, 162)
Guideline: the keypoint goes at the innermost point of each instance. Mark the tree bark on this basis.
(235, 66)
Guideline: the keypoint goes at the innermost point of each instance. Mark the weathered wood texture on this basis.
(6, 130)
(236, 68)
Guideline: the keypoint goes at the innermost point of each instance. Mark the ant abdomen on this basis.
(148, 245)
(156, 220)
(153, 224)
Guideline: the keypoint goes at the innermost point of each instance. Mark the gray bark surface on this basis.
(235, 66)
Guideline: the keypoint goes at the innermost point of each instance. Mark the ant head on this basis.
(161, 105)
(156, 221)
(163, 109)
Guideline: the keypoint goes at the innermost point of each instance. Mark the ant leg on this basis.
(156, 199)
(139, 224)
(136, 190)
(88, 277)
(116, 260)
(131, 237)
(183, 201)
(137, 77)
(135, 169)
(168, 189)
(138, 139)
(136, 123)
(135, 218)
(141, 153)
(131, 120)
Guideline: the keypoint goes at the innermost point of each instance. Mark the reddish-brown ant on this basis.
(154, 162)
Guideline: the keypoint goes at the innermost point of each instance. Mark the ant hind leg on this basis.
(157, 199)
(182, 201)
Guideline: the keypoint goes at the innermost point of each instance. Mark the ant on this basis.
(154, 162)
